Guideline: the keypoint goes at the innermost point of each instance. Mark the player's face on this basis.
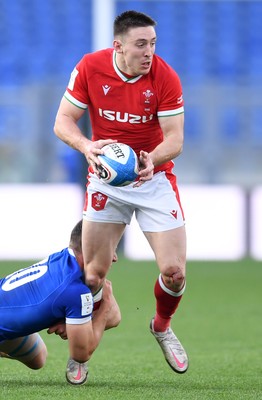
(135, 50)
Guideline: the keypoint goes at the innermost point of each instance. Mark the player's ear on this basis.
(117, 44)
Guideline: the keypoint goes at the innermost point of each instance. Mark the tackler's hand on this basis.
(59, 329)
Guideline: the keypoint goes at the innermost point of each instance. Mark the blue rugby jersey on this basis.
(36, 297)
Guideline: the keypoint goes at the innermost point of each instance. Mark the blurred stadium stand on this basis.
(215, 46)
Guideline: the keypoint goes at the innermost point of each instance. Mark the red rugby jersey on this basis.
(126, 109)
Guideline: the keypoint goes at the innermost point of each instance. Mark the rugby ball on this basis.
(119, 164)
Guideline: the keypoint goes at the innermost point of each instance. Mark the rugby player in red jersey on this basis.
(132, 96)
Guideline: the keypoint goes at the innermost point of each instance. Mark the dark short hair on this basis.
(76, 237)
(131, 19)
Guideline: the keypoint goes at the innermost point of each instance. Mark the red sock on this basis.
(166, 304)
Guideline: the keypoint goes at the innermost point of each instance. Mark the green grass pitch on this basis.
(219, 322)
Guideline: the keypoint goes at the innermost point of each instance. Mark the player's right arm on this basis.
(67, 129)
(113, 320)
(84, 339)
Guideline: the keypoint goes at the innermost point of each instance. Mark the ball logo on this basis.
(117, 150)
(103, 172)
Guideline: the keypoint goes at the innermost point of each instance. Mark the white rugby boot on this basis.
(172, 349)
(76, 373)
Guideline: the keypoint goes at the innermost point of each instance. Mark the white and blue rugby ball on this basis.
(119, 164)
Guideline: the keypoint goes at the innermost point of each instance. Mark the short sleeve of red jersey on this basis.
(169, 89)
(77, 89)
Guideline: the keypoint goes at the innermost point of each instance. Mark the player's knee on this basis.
(174, 277)
(94, 282)
(38, 361)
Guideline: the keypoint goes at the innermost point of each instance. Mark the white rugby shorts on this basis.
(156, 203)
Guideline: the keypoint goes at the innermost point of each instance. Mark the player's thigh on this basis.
(99, 243)
(30, 350)
(169, 248)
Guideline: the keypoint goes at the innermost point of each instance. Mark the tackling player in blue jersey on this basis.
(52, 294)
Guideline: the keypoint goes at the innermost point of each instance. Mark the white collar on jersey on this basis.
(121, 75)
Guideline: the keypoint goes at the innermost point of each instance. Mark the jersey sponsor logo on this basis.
(98, 201)
(106, 89)
(87, 303)
(124, 116)
(24, 276)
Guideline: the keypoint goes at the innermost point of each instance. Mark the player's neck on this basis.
(121, 69)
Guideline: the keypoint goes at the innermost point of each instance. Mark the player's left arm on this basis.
(172, 145)
(81, 341)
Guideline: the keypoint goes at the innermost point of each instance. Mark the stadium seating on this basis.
(201, 39)
(210, 44)
(42, 39)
